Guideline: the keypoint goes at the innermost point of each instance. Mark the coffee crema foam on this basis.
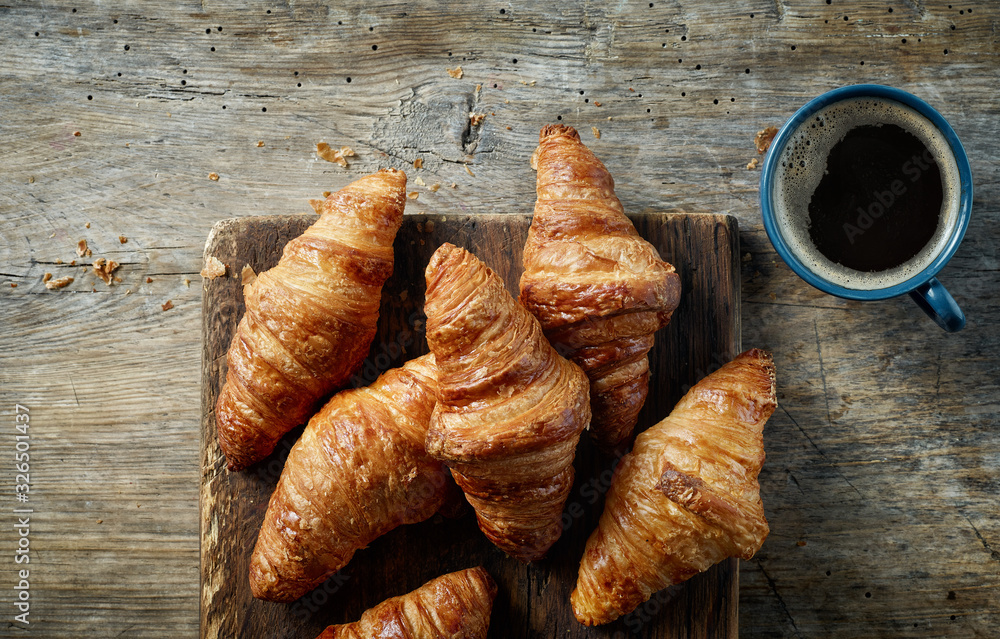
(802, 164)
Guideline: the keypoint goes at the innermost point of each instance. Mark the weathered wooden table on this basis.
(883, 459)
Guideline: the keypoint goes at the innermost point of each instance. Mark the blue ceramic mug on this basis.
(795, 164)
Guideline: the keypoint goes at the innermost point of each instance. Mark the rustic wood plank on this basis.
(150, 137)
(533, 600)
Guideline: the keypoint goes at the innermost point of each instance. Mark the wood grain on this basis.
(533, 600)
(881, 458)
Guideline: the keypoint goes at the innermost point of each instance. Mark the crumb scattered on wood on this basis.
(327, 193)
(58, 283)
(187, 282)
(434, 187)
(165, 306)
(13, 285)
(453, 185)
(31, 179)
(469, 171)
(456, 73)
(87, 225)
(47, 277)
(104, 269)
(596, 132)
(747, 257)
(403, 295)
(58, 261)
(76, 134)
(213, 176)
(413, 195)
(81, 246)
(429, 227)
(477, 118)
(529, 83)
(419, 181)
(213, 268)
(763, 139)
(329, 154)
(260, 143)
(122, 239)
(752, 164)
(418, 163)
(149, 280)
(247, 275)
(596, 103)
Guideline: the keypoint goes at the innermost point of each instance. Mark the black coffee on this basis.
(879, 201)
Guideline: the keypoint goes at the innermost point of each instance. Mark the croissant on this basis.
(309, 320)
(510, 411)
(686, 497)
(599, 289)
(358, 471)
(453, 606)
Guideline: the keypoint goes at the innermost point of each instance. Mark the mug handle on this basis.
(938, 303)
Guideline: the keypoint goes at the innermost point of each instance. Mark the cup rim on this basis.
(781, 140)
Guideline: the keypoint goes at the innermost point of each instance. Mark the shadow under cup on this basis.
(796, 163)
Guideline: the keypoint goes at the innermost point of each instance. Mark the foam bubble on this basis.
(802, 164)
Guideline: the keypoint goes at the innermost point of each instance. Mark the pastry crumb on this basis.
(434, 187)
(752, 164)
(104, 269)
(747, 257)
(327, 193)
(418, 163)
(596, 132)
(469, 171)
(58, 283)
(403, 295)
(187, 282)
(47, 277)
(87, 225)
(213, 176)
(477, 118)
(260, 143)
(13, 285)
(122, 239)
(149, 280)
(329, 154)
(429, 227)
(762, 141)
(413, 195)
(247, 275)
(456, 73)
(167, 305)
(213, 268)
(76, 134)
(596, 103)
(419, 181)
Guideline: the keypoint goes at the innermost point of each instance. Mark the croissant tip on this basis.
(558, 129)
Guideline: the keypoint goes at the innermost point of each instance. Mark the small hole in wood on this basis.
(679, 60)
(793, 47)
(751, 15)
(559, 117)
(586, 100)
(503, 11)
(90, 97)
(732, 99)
(298, 84)
(119, 74)
(220, 29)
(114, 22)
(348, 80)
(208, 31)
(213, 49)
(295, 73)
(904, 40)
(961, 13)
(952, 27)
(223, 107)
(648, 110)
(36, 34)
(340, 22)
(371, 28)
(184, 71)
(683, 94)
(684, 38)
(746, 71)
(268, 12)
(374, 47)
(264, 109)
(862, 63)
(845, 18)
(515, 60)
(74, 10)
(494, 85)
(126, 47)
(946, 51)
(868, 595)
(715, 101)
(697, 67)
(184, 83)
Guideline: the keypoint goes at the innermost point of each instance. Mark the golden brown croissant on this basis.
(511, 409)
(358, 471)
(310, 319)
(686, 497)
(453, 606)
(598, 288)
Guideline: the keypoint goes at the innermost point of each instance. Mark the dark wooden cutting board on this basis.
(533, 601)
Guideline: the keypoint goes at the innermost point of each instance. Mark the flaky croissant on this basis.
(511, 409)
(686, 497)
(453, 606)
(358, 471)
(598, 288)
(309, 320)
